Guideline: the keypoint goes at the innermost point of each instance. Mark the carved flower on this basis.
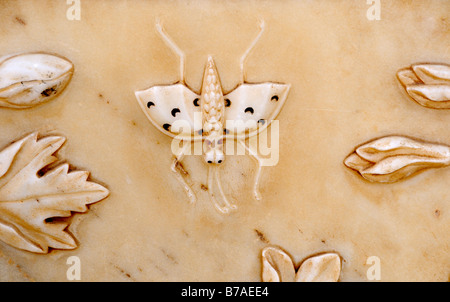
(277, 266)
(427, 84)
(34, 200)
(393, 158)
(29, 79)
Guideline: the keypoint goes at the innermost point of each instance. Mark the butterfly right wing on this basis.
(250, 108)
(173, 109)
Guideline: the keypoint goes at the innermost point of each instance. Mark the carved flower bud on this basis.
(393, 158)
(427, 84)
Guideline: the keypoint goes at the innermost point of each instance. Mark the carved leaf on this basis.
(322, 268)
(427, 84)
(277, 266)
(33, 202)
(27, 80)
(393, 158)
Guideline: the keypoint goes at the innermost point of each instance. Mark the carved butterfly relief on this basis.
(211, 117)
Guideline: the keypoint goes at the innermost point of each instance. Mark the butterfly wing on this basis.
(172, 109)
(250, 108)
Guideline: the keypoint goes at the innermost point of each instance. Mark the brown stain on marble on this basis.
(179, 166)
(437, 213)
(20, 21)
(17, 267)
(261, 236)
(123, 272)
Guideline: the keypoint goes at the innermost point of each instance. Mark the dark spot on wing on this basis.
(196, 104)
(227, 102)
(226, 131)
(175, 111)
(166, 127)
(249, 109)
(200, 132)
(262, 121)
(150, 104)
(274, 98)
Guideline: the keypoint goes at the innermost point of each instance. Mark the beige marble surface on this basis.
(344, 92)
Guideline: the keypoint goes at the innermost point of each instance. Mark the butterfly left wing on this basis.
(250, 108)
(172, 109)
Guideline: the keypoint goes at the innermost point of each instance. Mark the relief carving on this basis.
(37, 196)
(30, 79)
(212, 117)
(427, 84)
(277, 266)
(392, 158)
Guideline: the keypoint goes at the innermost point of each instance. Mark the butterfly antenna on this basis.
(174, 48)
(249, 49)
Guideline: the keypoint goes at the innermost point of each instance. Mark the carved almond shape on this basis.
(392, 158)
(321, 268)
(33, 203)
(30, 79)
(278, 267)
(427, 84)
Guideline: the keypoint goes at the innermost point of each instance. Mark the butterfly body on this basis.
(213, 114)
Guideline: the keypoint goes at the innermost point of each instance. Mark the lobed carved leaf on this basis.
(279, 267)
(392, 158)
(31, 204)
(427, 84)
(30, 79)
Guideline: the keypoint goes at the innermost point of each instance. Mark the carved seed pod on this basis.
(427, 84)
(392, 158)
(30, 79)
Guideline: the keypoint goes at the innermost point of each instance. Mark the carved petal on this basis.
(431, 95)
(432, 73)
(277, 266)
(407, 77)
(31, 206)
(427, 84)
(392, 158)
(27, 80)
(322, 268)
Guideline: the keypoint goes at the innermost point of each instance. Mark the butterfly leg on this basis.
(222, 208)
(180, 173)
(254, 155)
(219, 185)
